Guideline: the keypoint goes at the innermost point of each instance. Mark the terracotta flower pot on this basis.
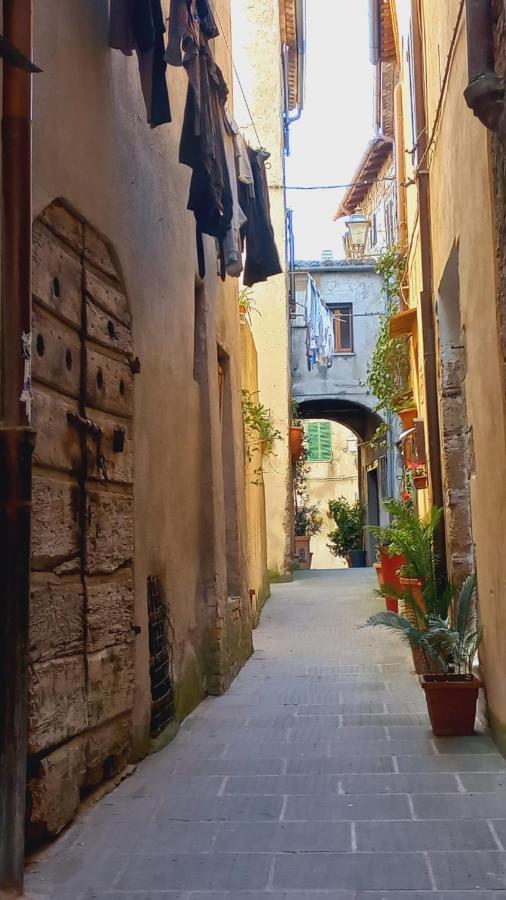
(302, 549)
(451, 702)
(379, 573)
(390, 566)
(420, 482)
(415, 587)
(407, 417)
(295, 437)
(392, 604)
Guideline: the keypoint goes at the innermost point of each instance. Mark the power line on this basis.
(335, 187)
(227, 45)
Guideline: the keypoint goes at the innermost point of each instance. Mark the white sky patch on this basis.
(336, 124)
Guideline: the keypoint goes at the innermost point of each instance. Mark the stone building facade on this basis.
(339, 392)
(266, 57)
(454, 230)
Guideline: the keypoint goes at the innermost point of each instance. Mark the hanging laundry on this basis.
(139, 25)
(232, 244)
(262, 259)
(186, 18)
(319, 323)
(242, 163)
(202, 145)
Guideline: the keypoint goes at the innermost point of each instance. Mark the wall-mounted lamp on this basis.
(355, 237)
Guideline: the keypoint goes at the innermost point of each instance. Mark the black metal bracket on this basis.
(14, 57)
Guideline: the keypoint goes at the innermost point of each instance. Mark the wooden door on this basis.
(81, 631)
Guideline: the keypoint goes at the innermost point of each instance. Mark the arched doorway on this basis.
(375, 469)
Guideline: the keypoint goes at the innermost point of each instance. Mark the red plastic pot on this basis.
(451, 703)
(392, 604)
(390, 566)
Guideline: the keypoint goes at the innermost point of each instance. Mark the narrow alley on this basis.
(315, 776)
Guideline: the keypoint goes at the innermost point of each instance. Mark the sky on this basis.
(336, 124)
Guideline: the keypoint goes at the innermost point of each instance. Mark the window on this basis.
(319, 441)
(389, 223)
(343, 328)
(373, 234)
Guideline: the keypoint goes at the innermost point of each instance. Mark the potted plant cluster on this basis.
(418, 472)
(308, 520)
(347, 539)
(439, 622)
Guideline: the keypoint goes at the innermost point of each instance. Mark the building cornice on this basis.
(368, 169)
(292, 20)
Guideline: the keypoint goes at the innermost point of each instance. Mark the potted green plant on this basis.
(307, 518)
(259, 432)
(308, 522)
(246, 305)
(419, 474)
(447, 640)
(347, 539)
(296, 434)
(420, 588)
(451, 688)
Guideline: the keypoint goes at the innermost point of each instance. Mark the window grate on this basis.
(161, 641)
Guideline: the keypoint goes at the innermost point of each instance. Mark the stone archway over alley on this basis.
(316, 776)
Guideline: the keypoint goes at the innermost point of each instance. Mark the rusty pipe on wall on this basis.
(16, 442)
(426, 294)
(485, 93)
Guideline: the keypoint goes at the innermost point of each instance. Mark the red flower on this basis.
(405, 496)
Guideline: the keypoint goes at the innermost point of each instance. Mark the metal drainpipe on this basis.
(16, 445)
(485, 92)
(426, 300)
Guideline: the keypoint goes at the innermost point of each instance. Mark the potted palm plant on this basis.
(447, 639)
(419, 588)
(347, 539)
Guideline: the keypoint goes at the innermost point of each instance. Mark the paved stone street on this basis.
(316, 776)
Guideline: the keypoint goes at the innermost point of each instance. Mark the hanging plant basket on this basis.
(420, 482)
(296, 437)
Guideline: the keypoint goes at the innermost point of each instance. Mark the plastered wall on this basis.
(93, 148)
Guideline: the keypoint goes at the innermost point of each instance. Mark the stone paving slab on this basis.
(316, 777)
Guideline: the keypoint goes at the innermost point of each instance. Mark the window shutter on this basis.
(319, 441)
(325, 441)
(313, 444)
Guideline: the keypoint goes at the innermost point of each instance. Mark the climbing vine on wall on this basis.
(388, 368)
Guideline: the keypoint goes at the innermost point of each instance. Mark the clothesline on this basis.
(227, 45)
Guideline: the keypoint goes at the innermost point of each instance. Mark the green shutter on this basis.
(319, 441)
(325, 441)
